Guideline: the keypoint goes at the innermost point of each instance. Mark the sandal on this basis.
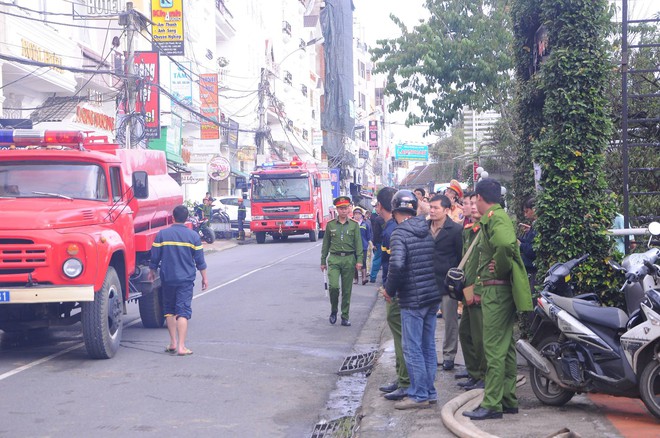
(185, 353)
(170, 350)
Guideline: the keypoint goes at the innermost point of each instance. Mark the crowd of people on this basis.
(416, 240)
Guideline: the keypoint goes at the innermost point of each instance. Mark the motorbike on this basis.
(581, 346)
(200, 225)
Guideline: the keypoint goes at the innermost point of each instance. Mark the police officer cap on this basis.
(404, 201)
(342, 201)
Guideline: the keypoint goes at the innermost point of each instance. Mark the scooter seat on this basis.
(589, 311)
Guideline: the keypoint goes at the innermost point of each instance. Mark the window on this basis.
(115, 182)
(362, 69)
(363, 101)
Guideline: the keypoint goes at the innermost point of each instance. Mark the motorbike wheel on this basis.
(649, 387)
(547, 391)
(209, 235)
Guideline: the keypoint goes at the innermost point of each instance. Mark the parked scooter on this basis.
(200, 225)
(581, 346)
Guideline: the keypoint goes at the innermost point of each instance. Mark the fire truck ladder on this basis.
(640, 131)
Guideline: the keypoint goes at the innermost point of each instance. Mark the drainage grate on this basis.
(343, 427)
(359, 362)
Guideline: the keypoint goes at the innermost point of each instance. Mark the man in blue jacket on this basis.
(411, 279)
(178, 252)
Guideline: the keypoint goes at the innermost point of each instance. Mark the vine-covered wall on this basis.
(565, 128)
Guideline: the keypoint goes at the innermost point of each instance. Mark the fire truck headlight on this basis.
(72, 268)
(307, 216)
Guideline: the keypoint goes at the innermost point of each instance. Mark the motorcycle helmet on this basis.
(404, 201)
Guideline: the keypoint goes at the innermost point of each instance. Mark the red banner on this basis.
(147, 101)
(208, 95)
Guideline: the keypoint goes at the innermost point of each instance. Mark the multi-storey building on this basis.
(477, 127)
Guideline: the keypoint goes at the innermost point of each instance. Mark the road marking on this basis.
(82, 344)
(240, 277)
(38, 362)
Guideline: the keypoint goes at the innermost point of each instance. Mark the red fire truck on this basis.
(78, 216)
(289, 198)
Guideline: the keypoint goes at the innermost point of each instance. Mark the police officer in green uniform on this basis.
(342, 251)
(503, 285)
(470, 330)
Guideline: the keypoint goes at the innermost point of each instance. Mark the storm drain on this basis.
(358, 362)
(343, 427)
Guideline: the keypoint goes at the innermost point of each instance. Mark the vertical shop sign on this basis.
(208, 95)
(232, 133)
(167, 17)
(373, 135)
(180, 82)
(148, 93)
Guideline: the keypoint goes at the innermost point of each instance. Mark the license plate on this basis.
(4, 296)
(288, 223)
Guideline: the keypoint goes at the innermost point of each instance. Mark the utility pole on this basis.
(261, 131)
(130, 69)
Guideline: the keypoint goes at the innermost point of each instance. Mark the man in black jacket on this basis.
(447, 235)
(412, 281)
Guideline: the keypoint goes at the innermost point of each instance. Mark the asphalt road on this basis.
(264, 364)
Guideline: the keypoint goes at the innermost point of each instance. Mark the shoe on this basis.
(399, 394)
(186, 352)
(364, 282)
(433, 401)
(469, 382)
(372, 280)
(389, 388)
(482, 414)
(345, 322)
(170, 350)
(438, 315)
(461, 375)
(448, 365)
(509, 410)
(479, 385)
(333, 318)
(408, 403)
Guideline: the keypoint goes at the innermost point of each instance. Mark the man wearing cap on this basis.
(341, 254)
(455, 194)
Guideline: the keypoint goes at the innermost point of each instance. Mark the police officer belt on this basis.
(343, 253)
(497, 283)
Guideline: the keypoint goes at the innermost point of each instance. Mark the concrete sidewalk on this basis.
(219, 245)
(380, 419)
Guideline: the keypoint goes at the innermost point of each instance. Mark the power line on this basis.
(58, 66)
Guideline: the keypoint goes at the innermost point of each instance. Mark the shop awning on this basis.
(240, 173)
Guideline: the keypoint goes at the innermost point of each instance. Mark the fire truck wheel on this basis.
(102, 318)
(314, 234)
(151, 309)
(261, 236)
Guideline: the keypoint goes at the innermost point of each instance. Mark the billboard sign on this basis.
(148, 96)
(180, 82)
(208, 95)
(167, 17)
(410, 152)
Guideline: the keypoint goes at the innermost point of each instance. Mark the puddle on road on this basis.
(346, 398)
